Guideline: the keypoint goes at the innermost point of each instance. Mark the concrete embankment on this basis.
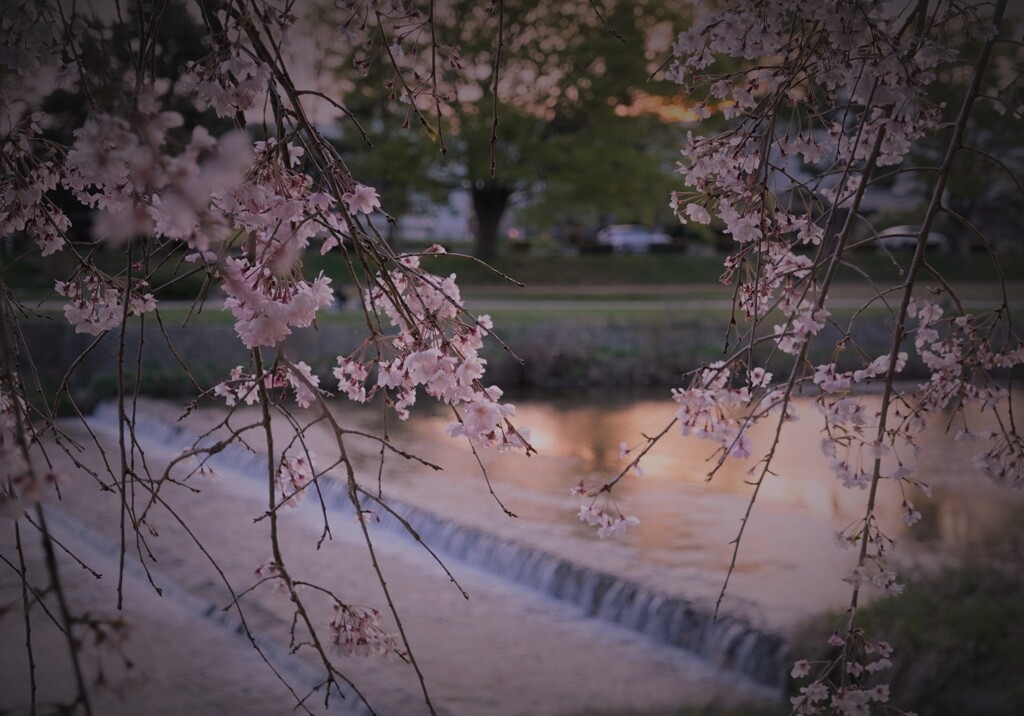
(549, 351)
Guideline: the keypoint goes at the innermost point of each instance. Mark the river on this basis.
(789, 564)
(658, 581)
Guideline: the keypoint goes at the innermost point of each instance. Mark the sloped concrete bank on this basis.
(548, 352)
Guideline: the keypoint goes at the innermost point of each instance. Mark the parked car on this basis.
(899, 238)
(630, 238)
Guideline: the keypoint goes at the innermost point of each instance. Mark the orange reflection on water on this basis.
(581, 440)
(789, 563)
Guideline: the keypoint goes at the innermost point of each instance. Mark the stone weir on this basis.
(727, 642)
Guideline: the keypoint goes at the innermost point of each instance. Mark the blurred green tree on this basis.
(983, 195)
(575, 124)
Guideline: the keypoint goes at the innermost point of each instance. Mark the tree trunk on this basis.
(490, 199)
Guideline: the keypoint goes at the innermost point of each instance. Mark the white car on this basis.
(900, 238)
(630, 238)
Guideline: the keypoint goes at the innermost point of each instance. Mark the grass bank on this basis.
(673, 269)
(958, 640)
(32, 276)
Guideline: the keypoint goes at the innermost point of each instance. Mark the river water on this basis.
(663, 577)
(789, 564)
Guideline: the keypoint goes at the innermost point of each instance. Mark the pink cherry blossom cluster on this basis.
(270, 572)
(358, 631)
(847, 695)
(293, 475)
(242, 386)
(712, 410)
(228, 85)
(850, 443)
(278, 216)
(230, 80)
(30, 172)
(1003, 461)
(874, 570)
(436, 349)
(96, 302)
(266, 307)
(362, 199)
(958, 350)
(139, 188)
(607, 523)
(607, 517)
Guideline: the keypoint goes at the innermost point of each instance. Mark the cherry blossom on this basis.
(362, 199)
(95, 303)
(817, 98)
(270, 572)
(266, 307)
(357, 631)
(227, 84)
(607, 524)
(808, 102)
(293, 475)
(435, 349)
